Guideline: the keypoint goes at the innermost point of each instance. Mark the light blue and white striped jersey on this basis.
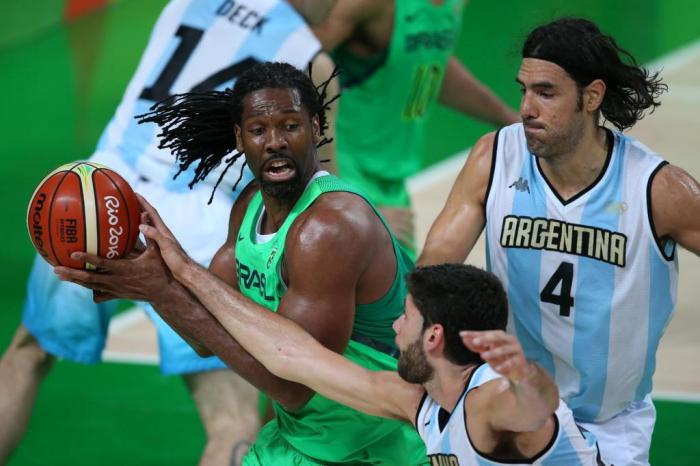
(201, 45)
(590, 287)
(451, 445)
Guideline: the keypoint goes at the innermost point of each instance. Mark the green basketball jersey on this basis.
(325, 430)
(386, 98)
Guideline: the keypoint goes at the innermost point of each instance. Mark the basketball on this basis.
(83, 206)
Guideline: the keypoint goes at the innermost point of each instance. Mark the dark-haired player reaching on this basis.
(582, 224)
(468, 413)
(301, 243)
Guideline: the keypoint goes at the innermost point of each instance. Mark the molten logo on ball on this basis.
(37, 230)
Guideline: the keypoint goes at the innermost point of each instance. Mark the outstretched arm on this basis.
(147, 278)
(461, 91)
(290, 352)
(459, 224)
(319, 304)
(528, 397)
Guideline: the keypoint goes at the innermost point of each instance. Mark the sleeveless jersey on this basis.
(201, 45)
(324, 429)
(451, 445)
(387, 98)
(591, 289)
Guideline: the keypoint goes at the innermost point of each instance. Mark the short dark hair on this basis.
(458, 297)
(198, 126)
(586, 54)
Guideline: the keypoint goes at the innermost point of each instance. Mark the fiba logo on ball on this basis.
(83, 206)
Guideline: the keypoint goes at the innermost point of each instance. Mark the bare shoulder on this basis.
(404, 396)
(340, 222)
(473, 179)
(481, 156)
(340, 214)
(670, 179)
(675, 203)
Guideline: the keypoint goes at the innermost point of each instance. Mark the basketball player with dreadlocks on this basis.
(200, 45)
(301, 243)
(472, 395)
(582, 224)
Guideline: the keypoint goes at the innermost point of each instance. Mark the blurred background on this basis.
(64, 65)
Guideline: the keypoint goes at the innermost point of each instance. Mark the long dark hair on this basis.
(578, 46)
(199, 126)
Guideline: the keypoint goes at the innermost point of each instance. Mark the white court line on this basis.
(121, 323)
(677, 59)
(437, 172)
(681, 397)
(125, 319)
(131, 358)
(684, 93)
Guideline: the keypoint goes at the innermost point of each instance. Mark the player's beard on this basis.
(560, 142)
(413, 366)
(284, 191)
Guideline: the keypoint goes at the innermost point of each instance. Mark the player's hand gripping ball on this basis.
(83, 206)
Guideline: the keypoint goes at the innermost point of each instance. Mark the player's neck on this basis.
(576, 170)
(276, 212)
(448, 384)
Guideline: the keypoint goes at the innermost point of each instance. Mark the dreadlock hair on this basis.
(198, 127)
(458, 297)
(586, 54)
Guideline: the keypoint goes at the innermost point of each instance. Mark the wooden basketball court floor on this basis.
(673, 131)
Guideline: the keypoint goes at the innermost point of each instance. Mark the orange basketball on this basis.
(83, 206)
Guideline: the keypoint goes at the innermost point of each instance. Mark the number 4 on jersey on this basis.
(564, 275)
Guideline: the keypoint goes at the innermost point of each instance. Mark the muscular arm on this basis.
(675, 204)
(461, 91)
(223, 264)
(455, 231)
(326, 253)
(147, 278)
(290, 352)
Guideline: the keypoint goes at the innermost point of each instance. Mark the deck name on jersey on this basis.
(443, 460)
(250, 278)
(555, 235)
(242, 16)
